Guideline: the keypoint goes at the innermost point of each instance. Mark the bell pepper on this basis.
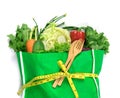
(76, 35)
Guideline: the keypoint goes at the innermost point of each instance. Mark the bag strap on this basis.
(93, 64)
(93, 71)
(22, 71)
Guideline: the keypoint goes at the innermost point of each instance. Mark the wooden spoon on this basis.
(70, 54)
(77, 49)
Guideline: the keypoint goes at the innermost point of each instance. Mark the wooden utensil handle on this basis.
(68, 66)
(57, 80)
(70, 54)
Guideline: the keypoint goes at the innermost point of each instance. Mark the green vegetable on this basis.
(37, 33)
(54, 20)
(55, 38)
(69, 28)
(96, 40)
(18, 42)
(38, 46)
(62, 47)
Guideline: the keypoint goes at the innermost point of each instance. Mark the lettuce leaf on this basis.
(18, 41)
(96, 40)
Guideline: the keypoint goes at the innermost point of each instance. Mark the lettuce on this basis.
(96, 40)
(18, 41)
(55, 39)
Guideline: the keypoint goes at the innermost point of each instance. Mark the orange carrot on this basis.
(29, 45)
(30, 42)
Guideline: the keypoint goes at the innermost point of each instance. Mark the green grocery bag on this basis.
(38, 65)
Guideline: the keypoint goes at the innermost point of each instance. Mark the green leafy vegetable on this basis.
(96, 40)
(18, 42)
(61, 47)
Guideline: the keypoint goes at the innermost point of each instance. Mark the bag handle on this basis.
(93, 71)
(22, 71)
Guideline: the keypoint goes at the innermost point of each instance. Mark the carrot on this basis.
(29, 45)
(30, 42)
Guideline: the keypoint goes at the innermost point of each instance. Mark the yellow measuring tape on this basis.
(50, 77)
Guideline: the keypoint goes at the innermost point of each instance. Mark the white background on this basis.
(103, 15)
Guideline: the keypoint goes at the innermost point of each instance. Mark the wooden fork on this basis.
(70, 54)
(76, 50)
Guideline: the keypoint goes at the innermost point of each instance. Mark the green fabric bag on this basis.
(33, 64)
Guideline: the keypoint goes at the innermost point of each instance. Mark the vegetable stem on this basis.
(31, 33)
(71, 28)
(36, 29)
(53, 20)
(35, 22)
(60, 17)
(59, 25)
